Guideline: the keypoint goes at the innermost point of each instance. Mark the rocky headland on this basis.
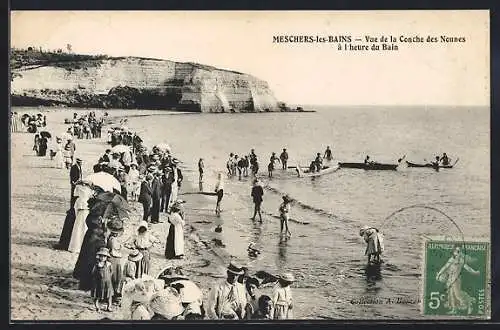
(99, 81)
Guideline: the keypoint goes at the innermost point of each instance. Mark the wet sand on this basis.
(42, 286)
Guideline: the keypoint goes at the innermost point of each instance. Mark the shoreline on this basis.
(42, 287)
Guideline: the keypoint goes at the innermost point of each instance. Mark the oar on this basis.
(401, 159)
(455, 163)
(290, 219)
(199, 193)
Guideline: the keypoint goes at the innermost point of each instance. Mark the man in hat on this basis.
(146, 196)
(257, 193)
(105, 159)
(75, 175)
(225, 300)
(284, 158)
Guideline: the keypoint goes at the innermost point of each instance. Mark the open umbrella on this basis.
(120, 148)
(104, 180)
(108, 204)
(45, 134)
(163, 147)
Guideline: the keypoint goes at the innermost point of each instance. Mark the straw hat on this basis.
(235, 268)
(103, 252)
(135, 255)
(166, 303)
(287, 277)
(363, 230)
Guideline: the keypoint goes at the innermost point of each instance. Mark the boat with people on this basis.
(307, 172)
(370, 166)
(411, 164)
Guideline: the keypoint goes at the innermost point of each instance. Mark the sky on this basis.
(418, 73)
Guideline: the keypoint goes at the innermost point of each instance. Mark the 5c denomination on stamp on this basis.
(456, 278)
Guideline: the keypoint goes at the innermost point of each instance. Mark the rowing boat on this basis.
(305, 172)
(370, 166)
(410, 164)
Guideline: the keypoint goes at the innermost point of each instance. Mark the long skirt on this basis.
(59, 159)
(67, 229)
(173, 194)
(175, 242)
(145, 262)
(92, 242)
(79, 229)
(117, 275)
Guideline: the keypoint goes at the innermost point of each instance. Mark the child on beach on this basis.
(143, 241)
(115, 227)
(282, 297)
(102, 288)
(284, 215)
(219, 189)
(132, 269)
(374, 243)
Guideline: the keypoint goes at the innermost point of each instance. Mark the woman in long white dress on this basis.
(84, 192)
(58, 158)
(174, 248)
(175, 185)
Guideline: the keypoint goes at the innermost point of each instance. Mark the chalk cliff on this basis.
(130, 82)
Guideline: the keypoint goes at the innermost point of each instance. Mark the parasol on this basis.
(120, 148)
(45, 134)
(108, 204)
(163, 147)
(104, 180)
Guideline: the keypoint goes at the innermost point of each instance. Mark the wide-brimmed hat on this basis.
(135, 255)
(173, 274)
(235, 268)
(175, 161)
(78, 160)
(287, 277)
(143, 224)
(166, 303)
(103, 252)
(152, 168)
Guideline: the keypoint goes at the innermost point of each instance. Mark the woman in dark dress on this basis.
(94, 240)
(67, 230)
(43, 147)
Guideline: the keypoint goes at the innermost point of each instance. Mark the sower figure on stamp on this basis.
(451, 274)
(374, 243)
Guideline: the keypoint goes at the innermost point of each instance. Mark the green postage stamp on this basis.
(456, 279)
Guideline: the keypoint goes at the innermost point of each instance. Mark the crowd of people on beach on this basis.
(116, 270)
(99, 213)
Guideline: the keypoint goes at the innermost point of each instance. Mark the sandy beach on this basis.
(42, 286)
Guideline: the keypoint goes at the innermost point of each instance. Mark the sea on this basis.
(325, 252)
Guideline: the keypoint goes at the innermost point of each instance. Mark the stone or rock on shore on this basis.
(130, 82)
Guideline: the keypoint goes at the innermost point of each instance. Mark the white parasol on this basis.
(120, 148)
(104, 180)
(190, 292)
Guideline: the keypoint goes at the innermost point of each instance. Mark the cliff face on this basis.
(139, 83)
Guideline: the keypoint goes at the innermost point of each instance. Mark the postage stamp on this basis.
(456, 278)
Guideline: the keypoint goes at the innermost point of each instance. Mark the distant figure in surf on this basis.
(284, 215)
(374, 243)
(328, 154)
(219, 189)
(284, 159)
(257, 193)
(201, 167)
